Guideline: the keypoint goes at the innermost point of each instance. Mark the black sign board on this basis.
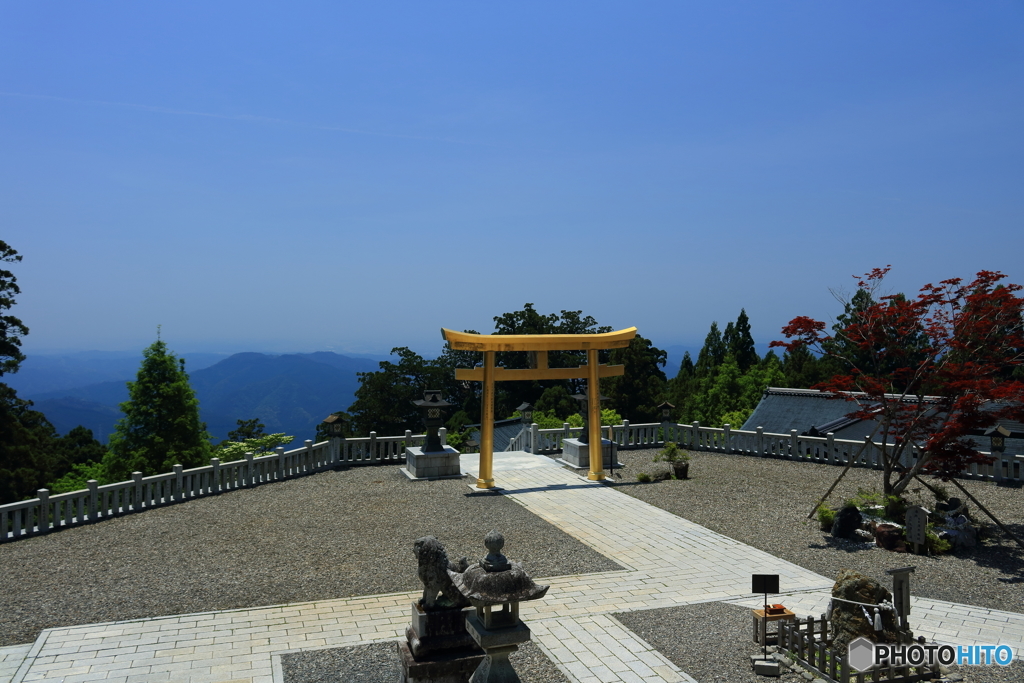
(765, 583)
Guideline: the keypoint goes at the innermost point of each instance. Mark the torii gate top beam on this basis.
(464, 341)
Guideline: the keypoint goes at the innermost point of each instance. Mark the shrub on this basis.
(826, 516)
(934, 544)
(671, 453)
(643, 476)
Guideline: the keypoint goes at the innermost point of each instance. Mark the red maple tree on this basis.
(933, 370)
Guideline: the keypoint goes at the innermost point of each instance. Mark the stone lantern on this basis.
(432, 460)
(998, 436)
(496, 582)
(432, 408)
(526, 411)
(334, 426)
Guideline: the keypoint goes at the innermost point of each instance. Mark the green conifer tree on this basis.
(161, 426)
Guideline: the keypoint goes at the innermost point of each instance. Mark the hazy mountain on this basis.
(41, 374)
(289, 393)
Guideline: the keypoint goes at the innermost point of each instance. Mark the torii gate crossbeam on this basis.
(540, 344)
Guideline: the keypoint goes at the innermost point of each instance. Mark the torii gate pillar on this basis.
(489, 344)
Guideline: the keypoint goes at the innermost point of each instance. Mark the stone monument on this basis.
(495, 581)
(432, 460)
(437, 648)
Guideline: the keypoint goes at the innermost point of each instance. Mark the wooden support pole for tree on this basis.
(985, 510)
(846, 469)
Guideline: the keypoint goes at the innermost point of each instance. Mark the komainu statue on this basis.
(433, 572)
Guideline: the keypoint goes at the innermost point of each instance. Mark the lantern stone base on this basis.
(437, 648)
(498, 643)
(576, 454)
(435, 465)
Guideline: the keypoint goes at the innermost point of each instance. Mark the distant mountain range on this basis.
(290, 393)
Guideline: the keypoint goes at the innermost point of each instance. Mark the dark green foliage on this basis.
(384, 400)
(637, 393)
(247, 429)
(712, 354)
(27, 456)
(11, 328)
(458, 421)
(557, 401)
(161, 426)
(509, 395)
(739, 343)
(802, 368)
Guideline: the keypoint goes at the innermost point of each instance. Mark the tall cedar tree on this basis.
(161, 426)
(31, 452)
(973, 340)
(636, 394)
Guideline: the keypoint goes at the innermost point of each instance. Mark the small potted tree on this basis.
(679, 460)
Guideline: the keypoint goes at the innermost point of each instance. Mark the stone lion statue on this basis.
(433, 572)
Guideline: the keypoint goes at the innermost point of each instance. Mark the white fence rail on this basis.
(47, 512)
(792, 446)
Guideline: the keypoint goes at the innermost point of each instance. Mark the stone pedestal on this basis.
(438, 649)
(577, 454)
(434, 465)
(498, 642)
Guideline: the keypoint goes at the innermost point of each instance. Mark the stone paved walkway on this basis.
(670, 561)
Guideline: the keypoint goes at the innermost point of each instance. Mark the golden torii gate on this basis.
(540, 344)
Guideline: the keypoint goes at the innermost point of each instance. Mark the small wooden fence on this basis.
(47, 512)
(808, 641)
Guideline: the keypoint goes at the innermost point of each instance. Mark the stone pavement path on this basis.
(669, 560)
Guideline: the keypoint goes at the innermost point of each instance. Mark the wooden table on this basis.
(761, 624)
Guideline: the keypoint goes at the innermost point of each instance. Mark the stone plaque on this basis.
(917, 522)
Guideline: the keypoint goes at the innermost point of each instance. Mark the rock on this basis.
(766, 667)
(807, 675)
(847, 521)
(950, 506)
(847, 621)
(864, 535)
(890, 537)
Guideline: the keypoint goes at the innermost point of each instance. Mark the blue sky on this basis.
(354, 176)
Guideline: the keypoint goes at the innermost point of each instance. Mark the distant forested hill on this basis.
(290, 393)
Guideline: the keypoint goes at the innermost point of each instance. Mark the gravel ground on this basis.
(378, 663)
(712, 643)
(764, 502)
(330, 535)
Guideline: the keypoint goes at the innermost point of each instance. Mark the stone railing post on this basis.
(830, 444)
(760, 442)
(408, 439)
(93, 498)
(280, 462)
(247, 478)
(793, 452)
(372, 454)
(626, 436)
(534, 437)
(868, 446)
(137, 493)
(309, 449)
(43, 518)
(442, 434)
(178, 483)
(215, 482)
(728, 437)
(695, 440)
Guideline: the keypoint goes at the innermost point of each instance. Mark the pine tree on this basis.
(161, 426)
(740, 343)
